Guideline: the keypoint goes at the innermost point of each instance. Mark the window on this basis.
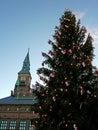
(22, 83)
(22, 125)
(3, 125)
(31, 126)
(8, 108)
(17, 109)
(12, 125)
(27, 109)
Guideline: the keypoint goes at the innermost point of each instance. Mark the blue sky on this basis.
(30, 24)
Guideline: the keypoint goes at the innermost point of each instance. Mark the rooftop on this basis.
(14, 100)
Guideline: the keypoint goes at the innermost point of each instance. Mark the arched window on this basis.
(12, 125)
(3, 125)
(22, 125)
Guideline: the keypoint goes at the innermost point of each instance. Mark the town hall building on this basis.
(16, 109)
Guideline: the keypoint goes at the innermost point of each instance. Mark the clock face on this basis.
(22, 78)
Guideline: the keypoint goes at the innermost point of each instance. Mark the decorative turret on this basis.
(22, 86)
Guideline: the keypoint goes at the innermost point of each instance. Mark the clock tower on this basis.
(22, 87)
(15, 110)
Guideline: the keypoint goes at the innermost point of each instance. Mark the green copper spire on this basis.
(17, 83)
(26, 65)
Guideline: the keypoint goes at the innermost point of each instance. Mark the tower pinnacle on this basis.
(26, 65)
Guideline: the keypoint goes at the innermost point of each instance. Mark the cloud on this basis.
(92, 30)
(94, 34)
(79, 15)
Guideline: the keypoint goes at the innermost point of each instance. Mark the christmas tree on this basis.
(67, 98)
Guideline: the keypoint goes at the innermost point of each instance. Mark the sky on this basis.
(30, 24)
